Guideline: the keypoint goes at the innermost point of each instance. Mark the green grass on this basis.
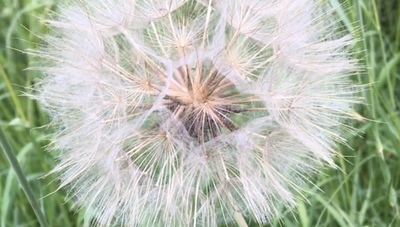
(363, 192)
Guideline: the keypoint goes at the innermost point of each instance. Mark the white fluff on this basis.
(187, 113)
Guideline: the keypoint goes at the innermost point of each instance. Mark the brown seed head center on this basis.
(203, 100)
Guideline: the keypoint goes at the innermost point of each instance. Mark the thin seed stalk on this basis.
(240, 221)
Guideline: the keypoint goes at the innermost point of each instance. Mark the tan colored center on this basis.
(203, 102)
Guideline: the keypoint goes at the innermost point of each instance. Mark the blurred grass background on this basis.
(363, 193)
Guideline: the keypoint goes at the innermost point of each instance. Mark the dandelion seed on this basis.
(194, 113)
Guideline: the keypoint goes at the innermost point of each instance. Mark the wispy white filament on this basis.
(187, 113)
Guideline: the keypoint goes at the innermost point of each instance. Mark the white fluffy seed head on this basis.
(185, 112)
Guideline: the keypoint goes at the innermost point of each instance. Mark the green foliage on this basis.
(363, 191)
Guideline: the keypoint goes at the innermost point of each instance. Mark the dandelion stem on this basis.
(239, 219)
(21, 178)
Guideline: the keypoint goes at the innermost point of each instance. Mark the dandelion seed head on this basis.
(188, 113)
